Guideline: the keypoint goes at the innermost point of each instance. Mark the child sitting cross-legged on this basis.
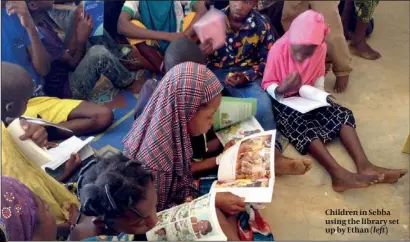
(22, 45)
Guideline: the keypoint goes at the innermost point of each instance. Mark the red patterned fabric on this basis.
(159, 137)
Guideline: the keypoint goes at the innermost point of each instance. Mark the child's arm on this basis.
(204, 165)
(77, 38)
(199, 8)
(130, 30)
(213, 146)
(71, 166)
(210, 163)
(36, 50)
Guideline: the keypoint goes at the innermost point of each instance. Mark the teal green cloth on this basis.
(159, 16)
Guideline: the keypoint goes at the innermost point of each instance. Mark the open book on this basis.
(196, 220)
(310, 98)
(234, 119)
(212, 27)
(52, 158)
(96, 10)
(247, 169)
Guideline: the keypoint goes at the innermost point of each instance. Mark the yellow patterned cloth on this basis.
(16, 165)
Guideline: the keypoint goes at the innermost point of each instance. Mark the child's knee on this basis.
(98, 51)
(102, 118)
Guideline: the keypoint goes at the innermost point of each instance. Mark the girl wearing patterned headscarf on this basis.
(24, 216)
(298, 58)
(182, 105)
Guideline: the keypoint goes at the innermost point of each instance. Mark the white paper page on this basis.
(239, 131)
(63, 151)
(191, 221)
(302, 105)
(30, 149)
(313, 93)
(227, 165)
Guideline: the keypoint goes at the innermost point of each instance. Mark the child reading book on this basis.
(299, 58)
(179, 51)
(182, 106)
(17, 88)
(118, 198)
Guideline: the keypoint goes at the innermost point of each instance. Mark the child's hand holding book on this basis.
(35, 132)
(291, 83)
(229, 203)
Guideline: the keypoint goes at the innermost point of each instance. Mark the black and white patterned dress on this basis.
(322, 123)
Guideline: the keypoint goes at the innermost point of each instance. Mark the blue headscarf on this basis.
(159, 16)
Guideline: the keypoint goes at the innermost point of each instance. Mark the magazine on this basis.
(196, 220)
(96, 10)
(235, 120)
(52, 158)
(247, 169)
(310, 99)
(239, 131)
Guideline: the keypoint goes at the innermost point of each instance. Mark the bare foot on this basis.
(288, 166)
(390, 175)
(355, 181)
(363, 49)
(341, 83)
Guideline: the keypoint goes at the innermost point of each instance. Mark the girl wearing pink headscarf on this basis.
(298, 58)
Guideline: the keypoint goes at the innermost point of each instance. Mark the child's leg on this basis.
(342, 179)
(364, 11)
(352, 143)
(98, 61)
(81, 117)
(88, 118)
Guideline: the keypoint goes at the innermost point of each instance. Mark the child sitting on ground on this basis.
(180, 51)
(239, 65)
(298, 58)
(75, 71)
(151, 25)
(16, 89)
(118, 199)
(21, 45)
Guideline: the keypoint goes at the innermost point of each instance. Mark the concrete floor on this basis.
(378, 94)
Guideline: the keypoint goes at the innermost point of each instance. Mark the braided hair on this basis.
(107, 187)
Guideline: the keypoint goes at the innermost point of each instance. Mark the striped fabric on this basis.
(159, 137)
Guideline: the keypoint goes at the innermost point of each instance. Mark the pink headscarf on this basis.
(308, 28)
